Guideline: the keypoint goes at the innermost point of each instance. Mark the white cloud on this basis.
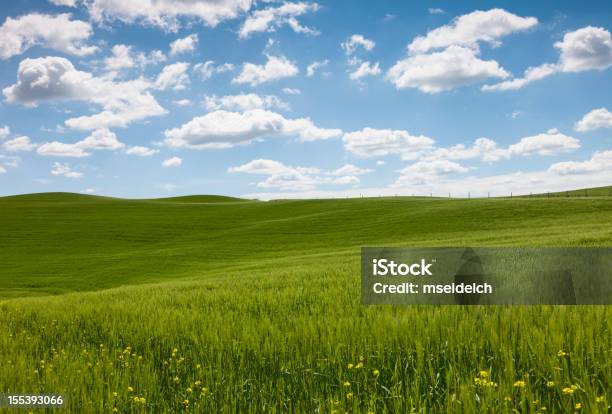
(89, 191)
(123, 57)
(184, 45)
(165, 13)
(470, 29)
(283, 177)
(370, 142)
(435, 10)
(292, 91)
(597, 118)
(65, 170)
(589, 48)
(350, 169)
(19, 144)
(100, 139)
(599, 162)
(442, 71)
(244, 102)
(54, 32)
(268, 20)
(223, 129)
(356, 41)
(426, 171)
(173, 76)
(208, 69)
(141, 151)
(5, 131)
(182, 102)
(549, 143)
(67, 3)
(172, 162)
(276, 67)
(530, 75)
(483, 148)
(120, 58)
(2, 170)
(314, 66)
(56, 79)
(365, 69)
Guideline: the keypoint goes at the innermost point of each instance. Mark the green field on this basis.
(215, 304)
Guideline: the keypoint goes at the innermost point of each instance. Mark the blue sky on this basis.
(301, 99)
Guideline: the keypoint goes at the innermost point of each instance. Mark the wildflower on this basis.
(346, 384)
(130, 389)
(484, 374)
(519, 384)
(507, 398)
(561, 354)
(567, 390)
(574, 387)
(115, 410)
(205, 390)
(543, 408)
(198, 383)
(349, 366)
(360, 358)
(176, 379)
(349, 396)
(185, 402)
(115, 395)
(376, 373)
(359, 365)
(599, 399)
(550, 384)
(578, 406)
(189, 390)
(198, 366)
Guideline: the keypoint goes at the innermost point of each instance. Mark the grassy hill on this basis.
(225, 305)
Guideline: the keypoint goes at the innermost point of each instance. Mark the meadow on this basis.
(214, 304)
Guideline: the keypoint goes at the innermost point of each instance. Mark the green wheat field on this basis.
(211, 304)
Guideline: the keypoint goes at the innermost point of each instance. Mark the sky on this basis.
(271, 99)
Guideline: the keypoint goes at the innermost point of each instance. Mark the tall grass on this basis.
(281, 329)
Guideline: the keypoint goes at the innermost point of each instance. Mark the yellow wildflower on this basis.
(550, 384)
(349, 366)
(578, 406)
(599, 399)
(519, 384)
(484, 374)
(349, 396)
(130, 389)
(359, 365)
(567, 391)
(376, 372)
(346, 384)
(561, 353)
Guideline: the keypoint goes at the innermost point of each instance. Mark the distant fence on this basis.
(591, 192)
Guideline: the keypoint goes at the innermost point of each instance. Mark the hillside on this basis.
(57, 242)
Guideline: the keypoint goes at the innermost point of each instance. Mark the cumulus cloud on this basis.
(19, 144)
(101, 139)
(55, 79)
(209, 68)
(65, 170)
(425, 171)
(184, 45)
(356, 41)
(597, 118)
(224, 129)
(365, 69)
(244, 102)
(287, 178)
(172, 162)
(483, 148)
(141, 151)
(67, 3)
(470, 29)
(276, 67)
(599, 162)
(315, 66)
(173, 76)
(166, 13)
(589, 48)
(442, 71)
(292, 91)
(350, 169)
(5, 131)
(53, 32)
(370, 142)
(270, 19)
(549, 143)
(435, 10)
(123, 57)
